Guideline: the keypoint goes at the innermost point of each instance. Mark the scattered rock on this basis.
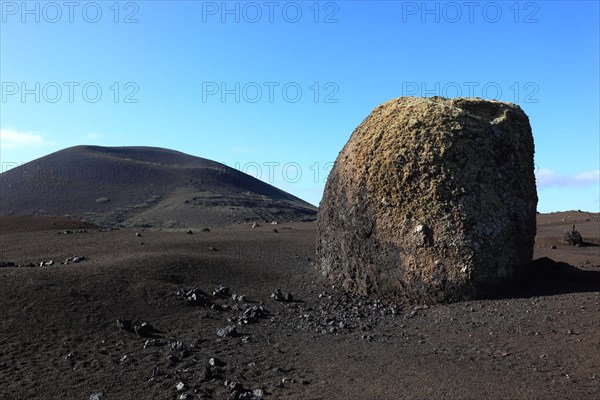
(255, 225)
(155, 343)
(255, 312)
(75, 259)
(190, 232)
(177, 345)
(414, 208)
(7, 264)
(228, 331)
(181, 386)
(278, 295)
(205, 229)
(97, 396)
(138, 234)
(216, 362)
(221, 307)
(553, 247)
(144, 329)
(235, 386)
(221, 291)
(238, 297)
(125, 325)
(194, 296)
(251, 314)
(70, 232)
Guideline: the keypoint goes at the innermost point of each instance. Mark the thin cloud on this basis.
(548, 178)
(13, 139)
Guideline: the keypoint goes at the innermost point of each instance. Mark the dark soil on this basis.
(143, 187)
(59, 337)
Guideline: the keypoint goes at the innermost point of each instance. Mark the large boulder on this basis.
(431, 200)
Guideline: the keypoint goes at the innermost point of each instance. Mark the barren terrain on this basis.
(59, 337)
(144, 187)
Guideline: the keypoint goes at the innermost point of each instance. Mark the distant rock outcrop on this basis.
(573, 237)
(431, 200)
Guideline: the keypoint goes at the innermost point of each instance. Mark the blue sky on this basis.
(276, 88)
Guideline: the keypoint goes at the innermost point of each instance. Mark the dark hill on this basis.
(143, 186)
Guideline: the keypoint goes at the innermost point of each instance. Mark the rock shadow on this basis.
(547, 277)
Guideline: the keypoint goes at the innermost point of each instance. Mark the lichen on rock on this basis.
(431, 200)
(571, 236)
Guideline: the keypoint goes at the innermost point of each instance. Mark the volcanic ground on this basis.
(138, 186)
(74, 328)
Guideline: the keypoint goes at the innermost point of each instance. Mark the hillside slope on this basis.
(143, 186)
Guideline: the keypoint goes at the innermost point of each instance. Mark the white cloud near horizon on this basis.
(13, 139)
(547, 178)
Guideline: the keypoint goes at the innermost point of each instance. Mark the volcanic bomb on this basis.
(431, 200)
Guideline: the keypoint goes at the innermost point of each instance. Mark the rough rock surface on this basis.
(431, 200)
(573, 237)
